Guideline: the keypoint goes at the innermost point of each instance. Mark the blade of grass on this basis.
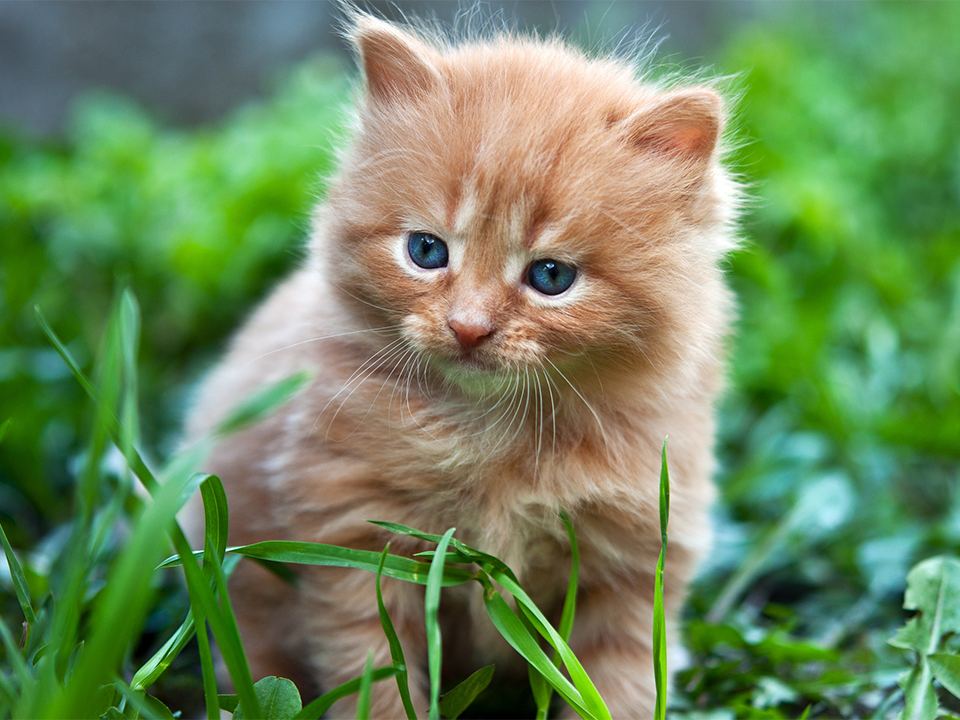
(498, 571)
(122, 608)
(542, 692)
(585, 687)
(260, 403)
(659, 621)
(305, 553)
(431, 605)
(366, 689)
(318, 707)
(459, 698)
(20, 586)
(514, 632)
(396, 651)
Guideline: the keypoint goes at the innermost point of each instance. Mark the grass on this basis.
(72, 655)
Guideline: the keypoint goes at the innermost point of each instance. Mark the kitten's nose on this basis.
(470, 333)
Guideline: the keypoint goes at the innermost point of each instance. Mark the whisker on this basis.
(322, 337)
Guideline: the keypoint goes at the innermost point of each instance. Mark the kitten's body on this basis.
(460, 396)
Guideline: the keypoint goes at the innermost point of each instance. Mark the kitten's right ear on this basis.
(683, 124)
(397, 65)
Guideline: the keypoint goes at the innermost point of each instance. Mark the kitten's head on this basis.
(511, 204)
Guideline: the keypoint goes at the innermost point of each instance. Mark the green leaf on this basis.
(228, 702)
(160, 661)
(364, 695)
(262, 403)
(396, 651)
(431, 605)
(279, 699)
(520, 639)
(920, 697)
(933, 590)
(4, 427)
(215, 514)
(305, 553)
(458, 699)
(19, 581)
(946, 669)
(659, 621)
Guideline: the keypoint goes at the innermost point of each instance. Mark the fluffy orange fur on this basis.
(460, 395)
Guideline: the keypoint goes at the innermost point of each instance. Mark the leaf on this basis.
(933, 590)
(659, 622)
(920, 701)
(262, 403)
(228, 702)
(458, 699)
(520, 639)
(431, 605)
(396, 651)
(279, 699)
(366, 689)
(305, 553)
(946, 669)
(19, 580)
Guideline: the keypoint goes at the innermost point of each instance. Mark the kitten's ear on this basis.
(684, 124)
(397, 65)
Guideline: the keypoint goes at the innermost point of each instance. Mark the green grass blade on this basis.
(459, 698)
(261, 403)
(230, 642)
(396, 650)
(162, 658)
(129, 345)
(318, 707)
(570, 601)
(146, 705)
(464, 551)
(431, 605)
(305, 553)
(122, 607)
(215, 514)
(65, 355)
(542, 692)
(19, 582)
(365, 693)
(585, 687)
(208, 673)
(659, 621)
(516, 634)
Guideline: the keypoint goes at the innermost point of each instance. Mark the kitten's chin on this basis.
(476, 377)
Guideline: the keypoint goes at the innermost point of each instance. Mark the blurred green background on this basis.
(840, 432)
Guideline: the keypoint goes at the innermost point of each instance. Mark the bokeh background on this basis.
(177, 148)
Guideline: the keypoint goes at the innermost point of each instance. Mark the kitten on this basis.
(512, 296)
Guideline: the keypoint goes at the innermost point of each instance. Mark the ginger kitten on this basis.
(512, 295)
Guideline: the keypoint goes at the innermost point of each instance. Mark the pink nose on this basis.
(470, 334)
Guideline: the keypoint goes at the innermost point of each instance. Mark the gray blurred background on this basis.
(190, 62)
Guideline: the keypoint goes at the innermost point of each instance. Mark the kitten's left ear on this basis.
(684, 124)
(397, 65)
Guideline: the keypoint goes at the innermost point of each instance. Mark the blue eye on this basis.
(550, 277)
(427, 251)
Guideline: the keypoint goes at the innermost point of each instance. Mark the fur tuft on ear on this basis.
(684, 123)
(397, 65)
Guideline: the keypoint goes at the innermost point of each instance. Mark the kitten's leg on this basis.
(342, 622)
